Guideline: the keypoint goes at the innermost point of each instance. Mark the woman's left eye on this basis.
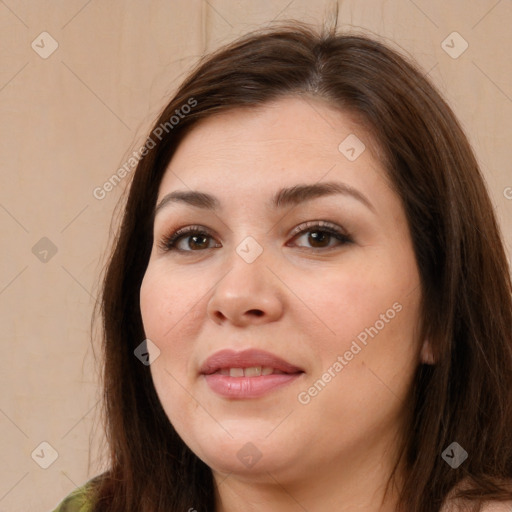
(319, 234)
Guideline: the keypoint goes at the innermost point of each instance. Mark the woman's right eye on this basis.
(194, 237)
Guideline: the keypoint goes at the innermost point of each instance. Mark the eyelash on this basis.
(168, 242)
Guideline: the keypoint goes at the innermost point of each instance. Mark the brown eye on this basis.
(194, 241)
(320, 236)
(189, 239)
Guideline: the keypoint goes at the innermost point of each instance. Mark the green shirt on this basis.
(77, 501)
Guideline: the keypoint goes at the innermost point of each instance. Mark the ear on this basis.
(427, 356)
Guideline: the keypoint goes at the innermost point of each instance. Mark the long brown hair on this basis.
(464, 397)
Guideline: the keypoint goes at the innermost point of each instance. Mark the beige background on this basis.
(70, 120)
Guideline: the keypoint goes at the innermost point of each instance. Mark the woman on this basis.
(308, 306)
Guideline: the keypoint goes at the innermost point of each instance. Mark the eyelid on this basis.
(318, 224)
(334, 230)
(165, 241)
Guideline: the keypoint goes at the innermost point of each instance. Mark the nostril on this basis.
(256, 312)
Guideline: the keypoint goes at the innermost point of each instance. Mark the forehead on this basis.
(279, 143)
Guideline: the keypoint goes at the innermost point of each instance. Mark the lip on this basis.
(247, 387)
(246, 359)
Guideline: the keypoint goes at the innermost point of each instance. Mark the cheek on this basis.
(370, 308)
(347, 300)
(169, 314)
(169, 305)
(375, 324)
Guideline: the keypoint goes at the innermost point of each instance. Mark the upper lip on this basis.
(246, 359)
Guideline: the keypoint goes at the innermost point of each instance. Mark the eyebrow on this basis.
(289, 196)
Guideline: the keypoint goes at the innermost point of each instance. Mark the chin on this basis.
(244, 455)
(251, 464)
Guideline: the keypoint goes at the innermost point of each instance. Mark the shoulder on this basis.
(77, 501)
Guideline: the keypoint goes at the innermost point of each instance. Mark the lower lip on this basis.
(248, 387)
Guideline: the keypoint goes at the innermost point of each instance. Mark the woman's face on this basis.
(338, 302)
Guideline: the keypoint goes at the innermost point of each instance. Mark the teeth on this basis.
(253, 371)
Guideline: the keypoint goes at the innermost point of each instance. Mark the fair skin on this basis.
(302, 300)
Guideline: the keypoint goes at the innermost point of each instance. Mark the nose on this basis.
(249, 293)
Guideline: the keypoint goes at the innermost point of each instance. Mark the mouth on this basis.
(247, 374)
(252, 371)
(247, 363)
